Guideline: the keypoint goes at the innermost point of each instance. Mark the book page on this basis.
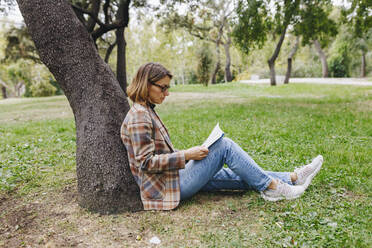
(214, 136)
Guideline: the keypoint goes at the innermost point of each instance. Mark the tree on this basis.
(316, 27)
(256, 20)
(207, 20)
(19, 46)
(359, 18)
(100, 17)
(105, 183)
(289, 60)
(358, 15)
(204, 64)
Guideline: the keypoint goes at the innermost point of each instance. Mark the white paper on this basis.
(214, 136)
(155, 240)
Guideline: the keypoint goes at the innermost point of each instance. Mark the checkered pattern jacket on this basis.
(153, 160)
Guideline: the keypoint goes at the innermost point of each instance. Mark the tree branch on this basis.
(91, 14)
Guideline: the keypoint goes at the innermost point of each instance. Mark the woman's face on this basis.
(156, 96)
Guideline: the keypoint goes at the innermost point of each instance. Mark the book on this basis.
(215, 135)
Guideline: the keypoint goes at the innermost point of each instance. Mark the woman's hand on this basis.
(196, 153)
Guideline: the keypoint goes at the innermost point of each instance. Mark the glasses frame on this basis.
(163, 88)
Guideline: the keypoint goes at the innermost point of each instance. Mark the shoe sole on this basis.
(311, 177)
(267, 198)
(273, 199)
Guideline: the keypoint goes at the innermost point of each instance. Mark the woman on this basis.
(166, 176)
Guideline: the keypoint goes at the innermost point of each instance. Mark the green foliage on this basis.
(314, 22)
(42, 88)
(204, 64)
(56, 85)
(339, 63)
(359, 16)
(250, 31)
(20, 46)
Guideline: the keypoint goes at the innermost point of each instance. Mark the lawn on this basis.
(281, 127)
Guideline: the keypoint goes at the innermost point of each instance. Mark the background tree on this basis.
(105, 183)
(207, 20)
(102, 16)
(359, 18)
(258, 16)
(289, 60)
(316, 27)
(204, 64)
(19, 46)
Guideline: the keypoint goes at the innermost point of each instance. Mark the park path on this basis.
(340, 81)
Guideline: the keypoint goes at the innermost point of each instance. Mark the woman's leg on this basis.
(283, 176)
(197, 173)
(226, 179)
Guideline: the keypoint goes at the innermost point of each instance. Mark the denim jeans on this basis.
(209, 175)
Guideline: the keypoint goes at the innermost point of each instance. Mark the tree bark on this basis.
(105, 183)
(323, 58)
(121, 72)
(109, 51)
(290, 57)
(363, 65)
(271, 61)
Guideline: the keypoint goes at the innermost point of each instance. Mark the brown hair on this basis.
(147, 73)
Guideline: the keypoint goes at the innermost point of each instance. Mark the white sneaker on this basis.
(282, 191)
(306, 173)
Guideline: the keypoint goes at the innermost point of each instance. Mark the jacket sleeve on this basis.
(140, 131)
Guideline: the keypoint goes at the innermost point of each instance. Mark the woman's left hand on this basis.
(196, 153)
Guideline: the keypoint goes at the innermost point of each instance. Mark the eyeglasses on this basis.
(163, 88)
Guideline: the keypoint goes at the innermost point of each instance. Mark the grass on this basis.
(280, 127)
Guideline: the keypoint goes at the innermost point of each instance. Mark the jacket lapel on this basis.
(163, 131)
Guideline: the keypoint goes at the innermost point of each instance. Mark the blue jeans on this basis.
(209, 175)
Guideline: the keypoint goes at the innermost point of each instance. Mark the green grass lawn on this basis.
(281, 127)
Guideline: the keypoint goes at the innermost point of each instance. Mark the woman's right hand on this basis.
(196, 153)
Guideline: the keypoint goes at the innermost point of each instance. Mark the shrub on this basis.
(204, 64)
(339, 64)
(42, 88)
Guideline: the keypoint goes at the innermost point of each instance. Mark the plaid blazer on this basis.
(153, 161)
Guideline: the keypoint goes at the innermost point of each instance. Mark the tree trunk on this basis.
(105, 183)
(3, 91)
(271, 61)
(323, 58)
(290, 57)
(363, 65)
(218, 64)
(109, 51)
(121, 74)
(228, 75)
(218, 55)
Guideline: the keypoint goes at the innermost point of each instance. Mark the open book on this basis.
(214, 136)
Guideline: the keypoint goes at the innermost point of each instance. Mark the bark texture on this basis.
(105, 183)
(290, 57)
(323, 58)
